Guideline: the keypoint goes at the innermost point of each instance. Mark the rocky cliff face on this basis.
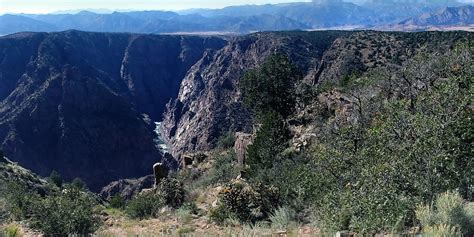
(127, 188)
(82, 103)
(209, 101)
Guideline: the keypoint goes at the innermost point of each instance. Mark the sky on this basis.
(47, 6)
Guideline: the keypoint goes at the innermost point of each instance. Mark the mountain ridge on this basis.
(447, 16)
(234, 19)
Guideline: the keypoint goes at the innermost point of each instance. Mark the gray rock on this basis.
(127, 188)
(192, 159)
(242, 141)
(160, 172)
(345, 234)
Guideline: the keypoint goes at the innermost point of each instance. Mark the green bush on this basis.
(271, 88)
(408, 151)
(145, 205)
(270, 140)
(443, 230)
(11, 231)
(4, 215)
(71, 212)
(184, 215)
(191, 207)
(281, 218)
(183, 231)
(380, 211)
(224, 169)
(172, 191)
(247, 202)
(117, 201)
(168, 192)
(470, 211)
(79, 184)
(296, 181)
(326, 86)
(226, 141)
(406, 139)
(219, 215)
(20, 200)
(55, 178)
(449, 212)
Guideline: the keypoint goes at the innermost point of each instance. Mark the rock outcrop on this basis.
(75, 102)
(160, 172)
(127, 188)
(190, 159)
(242, 141)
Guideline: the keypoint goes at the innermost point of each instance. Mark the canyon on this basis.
(86, 104)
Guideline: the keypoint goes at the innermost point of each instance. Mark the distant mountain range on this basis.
(320, 14)
(449, 16)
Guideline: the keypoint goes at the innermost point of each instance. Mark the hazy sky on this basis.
(44, 6)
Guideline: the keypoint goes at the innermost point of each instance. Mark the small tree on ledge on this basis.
(56, 179)
(2, 157)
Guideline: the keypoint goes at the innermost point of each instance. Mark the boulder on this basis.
(192, 159)
(161, 171)
(242, 141)
(147, 191)
(345, 234)
(187, 160)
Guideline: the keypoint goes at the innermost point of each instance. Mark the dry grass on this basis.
(172, 224)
